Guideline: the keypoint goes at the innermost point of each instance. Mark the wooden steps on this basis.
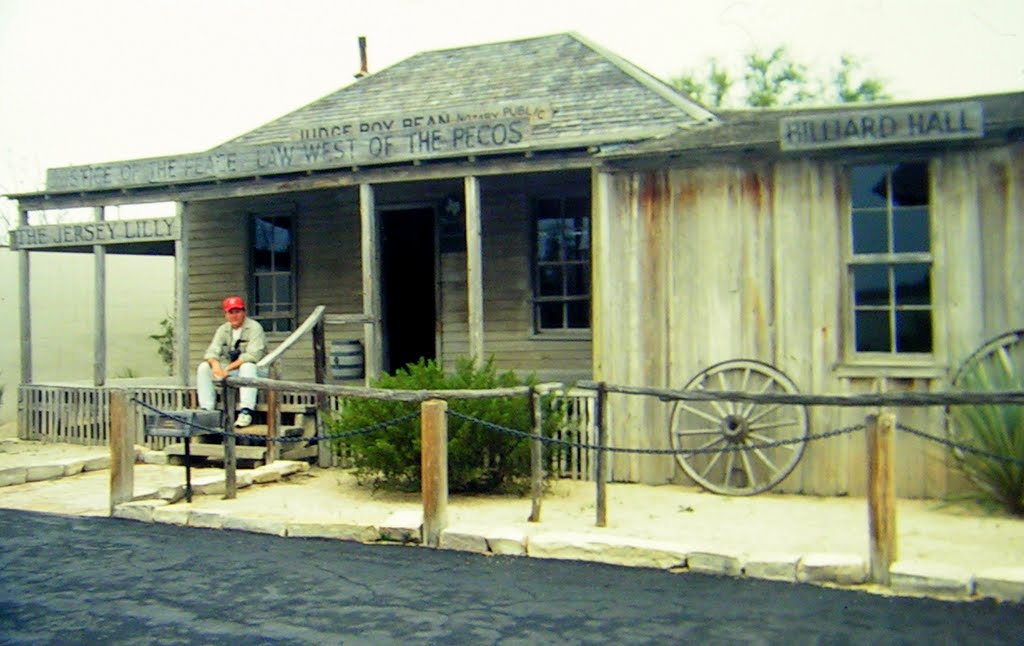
(200, 450)
(211, 447)
(252, 446)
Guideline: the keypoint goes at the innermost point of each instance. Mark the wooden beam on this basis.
(372, 332)
(600, 214)
(341, 178)
(99, 252)
(474, 270)
(181, 323)
(24, 307)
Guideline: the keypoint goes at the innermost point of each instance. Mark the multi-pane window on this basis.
(273, 272)
(890, 264)
(561, 272)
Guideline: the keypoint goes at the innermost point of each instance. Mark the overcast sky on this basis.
(103, 80)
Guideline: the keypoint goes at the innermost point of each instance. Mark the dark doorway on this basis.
(407, 286)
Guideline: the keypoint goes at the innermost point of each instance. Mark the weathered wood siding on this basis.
(508, 319)
(328, 259)
(701, 265)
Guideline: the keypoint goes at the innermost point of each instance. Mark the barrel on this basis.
(347, 359)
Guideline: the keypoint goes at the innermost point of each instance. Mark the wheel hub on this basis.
(734, 428)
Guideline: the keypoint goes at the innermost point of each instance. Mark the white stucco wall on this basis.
(140, 292)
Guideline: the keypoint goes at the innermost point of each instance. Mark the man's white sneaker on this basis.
(244, 419)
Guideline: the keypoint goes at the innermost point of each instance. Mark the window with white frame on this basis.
(273, 272)
(561, 271)
(889, 266)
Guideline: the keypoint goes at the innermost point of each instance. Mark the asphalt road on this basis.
(72, 580)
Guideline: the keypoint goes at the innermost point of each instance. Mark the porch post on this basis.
(181, 251)
(474, 271)
(372, 332)
(24, 307)
(99, 253)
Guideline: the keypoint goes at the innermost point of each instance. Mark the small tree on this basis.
(165, 343)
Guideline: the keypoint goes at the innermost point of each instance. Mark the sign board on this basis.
(879, 126)
(78, 234)
(380, 140)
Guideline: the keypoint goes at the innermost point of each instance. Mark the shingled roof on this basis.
(594, 96)
(758, 131)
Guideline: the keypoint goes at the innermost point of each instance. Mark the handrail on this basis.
(315, 317)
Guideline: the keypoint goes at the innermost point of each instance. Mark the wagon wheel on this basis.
(995, 364)
(995, 358)
(731, 434)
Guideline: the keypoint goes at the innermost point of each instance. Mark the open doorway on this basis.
(408, 267)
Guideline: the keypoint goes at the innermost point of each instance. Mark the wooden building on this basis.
(550, 205)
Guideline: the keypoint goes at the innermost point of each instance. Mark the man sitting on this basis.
(237, 346)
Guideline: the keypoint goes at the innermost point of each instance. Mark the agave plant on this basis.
(995, 429)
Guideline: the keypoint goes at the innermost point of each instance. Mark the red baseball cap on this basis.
(233, 303)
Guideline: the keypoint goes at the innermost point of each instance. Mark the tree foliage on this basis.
(481, 458)
(775, 79)
(165, 343)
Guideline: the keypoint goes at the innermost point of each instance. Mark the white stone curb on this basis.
(339, 531)
(615, 550)
(926, 577)
(775, 566)
(1002, 583)
(844, 569)
(713, 563)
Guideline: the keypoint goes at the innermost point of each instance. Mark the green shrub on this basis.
(480, 459)
(994, 428)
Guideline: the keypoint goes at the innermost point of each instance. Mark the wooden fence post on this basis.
(230, 461)
(599, 469)
(122, 449)
(434, 468)
(881, 495)
(324, 448)
(536, 455)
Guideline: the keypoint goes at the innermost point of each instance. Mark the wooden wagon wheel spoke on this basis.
(695, 431)
(750, 406)
(767, 411)
(714, 459)
(751, 477)
(764, 458)
(764, 439)
(735, 427)
(730, 461)
(718, 409)
(722, 385)
(779, 424)
(696, 411)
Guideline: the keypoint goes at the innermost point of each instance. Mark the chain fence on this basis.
(262, 439)
(570, 444)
